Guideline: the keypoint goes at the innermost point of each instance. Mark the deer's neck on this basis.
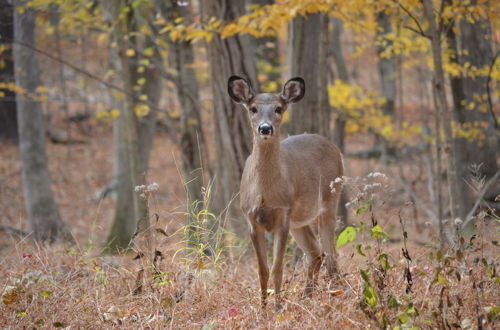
(266, 161)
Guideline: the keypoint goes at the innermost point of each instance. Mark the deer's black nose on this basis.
(265, 129)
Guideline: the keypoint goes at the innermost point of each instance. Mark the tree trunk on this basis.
(268, 57)
(233, 139)
(8, 117)
(307, 43)
(443, 111)
(386, 66)
(42, 212)
(130, 207)
(473, 46)
(193, 146)
(339, 130)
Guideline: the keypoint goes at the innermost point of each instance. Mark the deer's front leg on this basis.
(279, 246)
(259, 243)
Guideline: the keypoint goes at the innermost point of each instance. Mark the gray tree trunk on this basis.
(443, 112)
(386, 66)
(233, 139)
(8, 117)
(42, 211)
(308, 52)
(267, 52)
(473, 46)
(339, 130)
(193, 146)
(129, 211)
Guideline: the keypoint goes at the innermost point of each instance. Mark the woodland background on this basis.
(121, 155)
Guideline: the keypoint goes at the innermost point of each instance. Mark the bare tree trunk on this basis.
(129, 206)
(443, 111)
(386, 66)
(193, 146)
(339, 130)
(387, 73)
(267, 52)
(308, 52)
(233, 139)
(42, 211)
(8, 117)
(476, 157)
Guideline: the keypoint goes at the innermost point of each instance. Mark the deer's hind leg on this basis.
(309, 244)
(327, 222)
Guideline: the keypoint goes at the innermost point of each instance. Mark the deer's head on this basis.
(265, 110)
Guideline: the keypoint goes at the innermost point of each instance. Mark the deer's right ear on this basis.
(240, 90)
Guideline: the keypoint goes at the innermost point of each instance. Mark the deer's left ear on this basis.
(294, 90)
(240, 90)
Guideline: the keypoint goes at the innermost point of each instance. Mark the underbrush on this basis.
(387, 280)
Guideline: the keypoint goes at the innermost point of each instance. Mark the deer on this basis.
(287, 186)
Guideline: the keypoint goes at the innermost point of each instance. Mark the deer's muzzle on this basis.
(265, 129)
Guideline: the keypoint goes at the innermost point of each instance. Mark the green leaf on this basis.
(370, 295)
(363, 208)
(45, 293)
(411, 310)
(364, 275)
(378, 232)
(392, 302)
(21, 314)
(441, 279)
(346, 236)
(403, 318)
(359, 249)
(384, 262)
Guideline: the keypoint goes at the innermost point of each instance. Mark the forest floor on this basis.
(77, 287)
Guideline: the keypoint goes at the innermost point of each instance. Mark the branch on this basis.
(170, 121)
(483, 191)
(15, 231)
(420, 30)
(418, 202)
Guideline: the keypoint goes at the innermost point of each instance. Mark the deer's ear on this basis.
(294, 90)
(240, 90)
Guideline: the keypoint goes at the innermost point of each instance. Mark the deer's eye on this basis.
(253, 110)
(278, 110)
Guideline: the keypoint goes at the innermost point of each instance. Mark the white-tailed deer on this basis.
(286, 186)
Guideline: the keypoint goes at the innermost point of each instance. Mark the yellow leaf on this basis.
(141, 110)
(130, 52)
(148, 52)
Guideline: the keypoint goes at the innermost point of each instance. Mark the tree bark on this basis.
(386, 66)
(308, 52)
(42, 211)
(443, 111)
(233, 139)
(129, 210)
(339, 129)
(193, 146)
(8, 116)
(267, 54)
(472, 46)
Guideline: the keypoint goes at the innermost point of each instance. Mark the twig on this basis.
(420, 30)
(418, 202)
(170, 121)
(12, 230)
(491, 181)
